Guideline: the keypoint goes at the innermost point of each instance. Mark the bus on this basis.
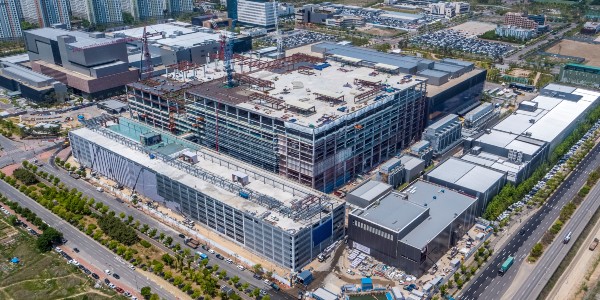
(506, 265)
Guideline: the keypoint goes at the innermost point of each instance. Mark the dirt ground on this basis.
(474, 27)
(378, 31)
(520, 73)
(582, 270)
(590, 52)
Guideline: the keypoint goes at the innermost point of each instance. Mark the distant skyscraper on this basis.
(98, 11)
(149, 9)
(10, 26)
(180, 6)
(232, 9)
(44, 13)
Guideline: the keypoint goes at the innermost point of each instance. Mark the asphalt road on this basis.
(90, 191)
(488, 284)
(515, 56)
(531, 287)
(90, 250)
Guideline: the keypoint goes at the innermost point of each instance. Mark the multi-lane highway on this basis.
(487, 284)
(531, 287)
(91, 251)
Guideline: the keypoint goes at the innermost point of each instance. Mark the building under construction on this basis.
(316, 122)
(278, 219)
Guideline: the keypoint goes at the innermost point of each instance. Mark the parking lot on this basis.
(297, 38)
(542, 183)
(454, 40)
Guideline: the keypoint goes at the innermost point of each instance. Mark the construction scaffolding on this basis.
(266, 100)
(255, 83)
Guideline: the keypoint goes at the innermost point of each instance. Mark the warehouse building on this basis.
(472, 179)
(582, 75)
(280, 220)
(427, 220)
(443, 134)
(453, 85)
(400, 170)
(92, 64)
(523, 140)
(480, 116)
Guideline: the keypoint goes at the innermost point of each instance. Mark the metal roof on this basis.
(443, 122)
(370, 190)
(404, 212)
(410, 162)
(432, 73)
(443, 204)
(466, 174)
(83, 38)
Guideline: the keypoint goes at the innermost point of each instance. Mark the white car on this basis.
(57, 249)
(74, 262)
(267, 282)
(229, 261)
(112, 286)
(132, 267)
(108, 272)
(241, 267)
(211, 251)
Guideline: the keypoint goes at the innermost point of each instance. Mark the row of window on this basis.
(373, 230)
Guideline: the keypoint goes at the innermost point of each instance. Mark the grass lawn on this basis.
(42, 275)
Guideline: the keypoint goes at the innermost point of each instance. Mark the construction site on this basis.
(312, 120)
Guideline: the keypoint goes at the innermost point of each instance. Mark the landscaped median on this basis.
(118, 233)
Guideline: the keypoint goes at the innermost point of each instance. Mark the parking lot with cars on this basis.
(454, 40)
(542, 183)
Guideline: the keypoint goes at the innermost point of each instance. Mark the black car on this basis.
(95, 276)
(76, 250)
(63, 241)
(115, 275)
(68, 257)
(181, 235)
(257, 276)
(106, 281)
(81, 267)
(521, 232)
(87, 272)
(219, 256)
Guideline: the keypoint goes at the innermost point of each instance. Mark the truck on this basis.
(567, 238)
(202, 255)
(506, 265)
(192, 243)
(594, 244)
(323, 256)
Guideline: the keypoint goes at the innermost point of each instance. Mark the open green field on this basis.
(42, 275)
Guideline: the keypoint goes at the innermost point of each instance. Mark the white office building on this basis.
(256, 12)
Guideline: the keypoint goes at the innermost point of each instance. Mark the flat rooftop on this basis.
(444, 205)
(466, 174)
(172, 34)
(399, 210)
(83, 38)
(553, 116)
(267, 184)
(433, 90)
(310, 97)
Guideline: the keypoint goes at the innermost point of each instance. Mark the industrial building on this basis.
(274, 218)
(449, 9)
(422, 149)
(31, 85)
(582, 75)
(523, 140)
(590, 28)
(472, 179)
(412, 229)
(10, 21)
(46, 13)
(453, 85)
(400, 170)
(443, 134)
(479, 117)
(92, 64)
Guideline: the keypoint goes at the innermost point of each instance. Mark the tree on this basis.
(25, 176)
(13, 220)
(122, 215)
(146, 292)
(177, 280)
(161, 236)
(145, 228)
(116, 229)
(257, 268)
(128, 18)
(47, 238)
(168, 240)
(168, 259)
(154, 297)
(266, 297)
(152, 232)
(256, 292)
(235, 279)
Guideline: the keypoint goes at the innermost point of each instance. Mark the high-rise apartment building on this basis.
(520, 20)
(150, 9)
(98, 11)
(45, 13)
(10, 26)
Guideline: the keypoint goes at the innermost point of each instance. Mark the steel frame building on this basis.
(277, 219)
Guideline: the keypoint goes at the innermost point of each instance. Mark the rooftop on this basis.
(433, 90)
(307, 96)
(172, 34)
(466, 174)
(276, 200)
(83, 39)
(435, 205)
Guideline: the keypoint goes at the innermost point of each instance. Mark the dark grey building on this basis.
(414, 228)
(477, 181)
